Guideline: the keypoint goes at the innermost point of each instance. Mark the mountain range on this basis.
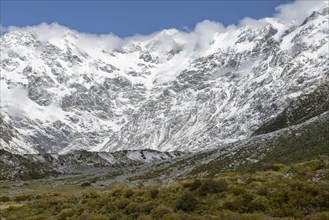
(64, 92)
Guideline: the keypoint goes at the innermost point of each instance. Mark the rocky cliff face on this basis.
(11, 140)
(299, 110)
(67, 91)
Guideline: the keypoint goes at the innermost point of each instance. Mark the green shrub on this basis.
(262, 191)
(175, 216)
(122, 203)
(116, 192)
(23, 198)
(195, 184)
(300, 200)
(213, 186)
(85, 215)
(92, 194)
(131, 208)
(318, 216)
(4, 199)
(237, 190)
(187, 202)
(228, 215)
(38, 217)
(240, 203)
(128, 193)
(97, 217)
(145, 217)
(231, 205)
(257, 205)
(160, 211)
(312, 189)
(146, 207)
(154, 193)
(247, 197)
(66, 213)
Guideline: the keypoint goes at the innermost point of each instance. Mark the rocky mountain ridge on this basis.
(32, 166)
(161, 92)
(299, 132)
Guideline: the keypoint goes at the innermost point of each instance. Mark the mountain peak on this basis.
(168, 91)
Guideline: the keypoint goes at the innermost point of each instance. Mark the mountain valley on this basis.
(215, 123)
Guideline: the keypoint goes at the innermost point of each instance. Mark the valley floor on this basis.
(270, 191)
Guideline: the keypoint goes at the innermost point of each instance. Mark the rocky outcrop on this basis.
(35, 166)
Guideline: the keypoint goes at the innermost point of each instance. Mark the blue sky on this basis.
(126, 18)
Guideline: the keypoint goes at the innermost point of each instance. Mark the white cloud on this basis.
(297, 11)
(209, 27)
(55, 32)
(197, 39)
(206, 30)
(251, 23)
(106, 41)
(44, 31)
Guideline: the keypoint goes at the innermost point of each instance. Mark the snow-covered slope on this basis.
(11, 140)
(63, 90)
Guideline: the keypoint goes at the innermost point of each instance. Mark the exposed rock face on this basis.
(32, 166)
(160, 92)
(299, 110)
(11, 140)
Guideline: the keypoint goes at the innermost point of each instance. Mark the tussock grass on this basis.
(272, 191)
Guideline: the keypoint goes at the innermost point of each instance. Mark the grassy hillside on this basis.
(275, 191)
(304, 142)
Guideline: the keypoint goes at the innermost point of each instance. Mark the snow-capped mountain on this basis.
(62, 90)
